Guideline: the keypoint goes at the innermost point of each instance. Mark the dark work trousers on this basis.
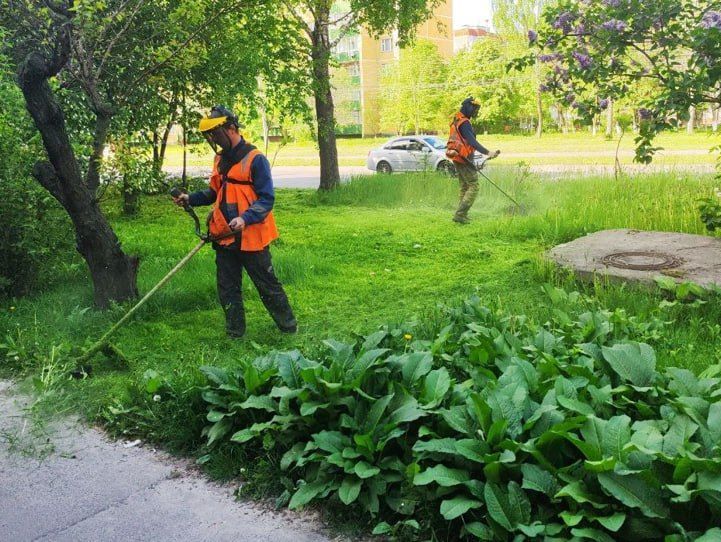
(230, 263)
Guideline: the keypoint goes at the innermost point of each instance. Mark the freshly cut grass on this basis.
(379, 249)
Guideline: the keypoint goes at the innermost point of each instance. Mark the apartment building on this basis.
(466, 36)
(362, 60)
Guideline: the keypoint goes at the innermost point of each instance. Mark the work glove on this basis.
(182, 200)
(237, 224)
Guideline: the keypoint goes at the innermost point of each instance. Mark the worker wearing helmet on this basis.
(462, 144)
(241, 189)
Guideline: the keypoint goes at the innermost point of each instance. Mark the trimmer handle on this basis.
(177, 192)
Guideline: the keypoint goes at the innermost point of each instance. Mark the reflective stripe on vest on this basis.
(235, 189)
(456, 141)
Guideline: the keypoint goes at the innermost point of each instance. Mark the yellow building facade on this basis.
(364, 58)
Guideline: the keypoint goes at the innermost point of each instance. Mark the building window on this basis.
(386, 45)
(354, 69)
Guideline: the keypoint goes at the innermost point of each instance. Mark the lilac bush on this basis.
(599, 50)
(711, 19)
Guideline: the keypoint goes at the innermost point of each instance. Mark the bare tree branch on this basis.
(117, 36)
(344, 29)
(299, 18)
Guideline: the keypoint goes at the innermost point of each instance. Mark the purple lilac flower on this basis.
(549, 58)
(711, 19)
(612, 3)
(584, 61)
(614, 25)
(645, 114)
(561, 72)
(570, 98)
(543, 88)
(563, 22)
(580, 29)
(603, 104)
(532, 36)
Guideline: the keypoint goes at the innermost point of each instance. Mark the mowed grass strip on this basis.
(380, 249)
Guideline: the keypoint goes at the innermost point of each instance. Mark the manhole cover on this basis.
(642, 261)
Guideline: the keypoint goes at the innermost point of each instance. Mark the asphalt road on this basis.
(286, 176)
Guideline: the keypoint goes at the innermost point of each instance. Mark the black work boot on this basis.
(286, 321)
(235, 321)
(283, 316)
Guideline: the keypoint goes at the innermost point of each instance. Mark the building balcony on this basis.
(351, 56)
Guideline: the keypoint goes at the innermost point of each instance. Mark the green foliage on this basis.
(134, 173)
(710, 209)
(561, 430)
(481, 72)
(600, 50)
(30, 231)
(410, 97)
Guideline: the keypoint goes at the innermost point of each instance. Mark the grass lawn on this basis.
(579, 148)
(379, 250)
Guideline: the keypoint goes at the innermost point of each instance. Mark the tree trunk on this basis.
(102, 125)
(609, 119)
(113, 272)
(539, 113)
(184, 177)
(691, 119)
(163, 145)
(130, 199)
(324, 109)
(562, 120)
(156, 149)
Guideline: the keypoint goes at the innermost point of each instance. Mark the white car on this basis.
(412, 153)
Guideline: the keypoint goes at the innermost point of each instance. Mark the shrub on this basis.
(31, 227)
(495, 429)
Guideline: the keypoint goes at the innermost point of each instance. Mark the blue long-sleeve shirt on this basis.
(467, 134)
(262, 184)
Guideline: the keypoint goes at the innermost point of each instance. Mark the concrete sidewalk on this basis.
(74, 484)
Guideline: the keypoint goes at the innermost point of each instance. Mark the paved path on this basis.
(79, 486)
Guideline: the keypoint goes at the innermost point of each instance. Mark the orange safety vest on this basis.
(457, 149)
(236, 188)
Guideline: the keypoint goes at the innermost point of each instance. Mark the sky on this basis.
(471, 12)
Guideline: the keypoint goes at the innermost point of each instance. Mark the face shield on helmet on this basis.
(214, 128)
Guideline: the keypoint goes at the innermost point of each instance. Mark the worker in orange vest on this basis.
(462, 144)
(241, 189)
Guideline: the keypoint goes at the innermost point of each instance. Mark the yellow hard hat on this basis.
(219, 116)
(207, 124)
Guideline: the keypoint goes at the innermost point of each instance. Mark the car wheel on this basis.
(446, 168)
(384, 167)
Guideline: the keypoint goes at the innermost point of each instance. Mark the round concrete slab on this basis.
(639, 256)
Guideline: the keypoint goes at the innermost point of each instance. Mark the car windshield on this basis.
(435, 142)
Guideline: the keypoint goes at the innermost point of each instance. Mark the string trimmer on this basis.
(103, 344)
(479, 167)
